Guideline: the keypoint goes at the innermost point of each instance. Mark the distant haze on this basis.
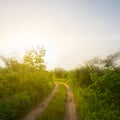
(71, 31)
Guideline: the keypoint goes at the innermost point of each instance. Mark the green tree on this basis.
(34, 58)
(60, 73)
(110, 61)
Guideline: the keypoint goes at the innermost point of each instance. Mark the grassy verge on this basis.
(56, 108)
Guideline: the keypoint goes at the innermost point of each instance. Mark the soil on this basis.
(71, 113)
(37, 111)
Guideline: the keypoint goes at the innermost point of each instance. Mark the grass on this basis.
(56, 108)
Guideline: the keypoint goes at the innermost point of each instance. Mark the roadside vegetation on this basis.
(23, 84)
(56, 108)
(97, 88)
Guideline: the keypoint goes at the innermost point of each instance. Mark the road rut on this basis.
(37, 111)
(71, 113)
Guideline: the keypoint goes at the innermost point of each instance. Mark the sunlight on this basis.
(50, 58)
(25, 42)
(18, 44)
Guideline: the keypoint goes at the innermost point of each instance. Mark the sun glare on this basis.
(17, 45)
(50, 58)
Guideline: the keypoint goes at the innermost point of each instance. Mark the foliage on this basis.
(82, 77)
(97, 89)
(34, 58)
(110, 61)
(60, 73)
(23, 84)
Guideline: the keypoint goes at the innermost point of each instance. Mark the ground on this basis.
(70, 105)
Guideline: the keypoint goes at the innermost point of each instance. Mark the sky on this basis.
(71, 31)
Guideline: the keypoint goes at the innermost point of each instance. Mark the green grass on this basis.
(56, 108)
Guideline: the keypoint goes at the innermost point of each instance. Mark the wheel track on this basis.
(37, 111)
(71, 113)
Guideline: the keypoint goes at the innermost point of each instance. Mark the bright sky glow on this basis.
(71, 31)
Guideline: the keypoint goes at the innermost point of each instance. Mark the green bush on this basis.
(99, 100)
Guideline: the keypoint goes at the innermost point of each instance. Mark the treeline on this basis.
(97, 88)
(23, 84)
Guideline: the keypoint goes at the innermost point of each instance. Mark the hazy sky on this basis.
(71, 31)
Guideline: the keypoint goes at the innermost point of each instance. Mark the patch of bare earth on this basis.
(37, 111)
(71, 113)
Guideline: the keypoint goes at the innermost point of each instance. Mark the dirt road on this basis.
(32, 115)
(71, 113)
(70, 105)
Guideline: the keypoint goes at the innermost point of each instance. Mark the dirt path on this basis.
(71, 113)
(32, 115)
(70, 105)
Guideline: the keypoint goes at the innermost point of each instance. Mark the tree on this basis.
(109, 62)
(60, 73)
(34, 58)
